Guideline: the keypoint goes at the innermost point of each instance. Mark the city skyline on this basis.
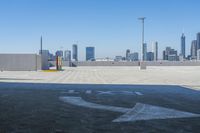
(148, 55)
(106, 25)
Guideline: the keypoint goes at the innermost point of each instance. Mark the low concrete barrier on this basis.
(135, 63)
(20, 62)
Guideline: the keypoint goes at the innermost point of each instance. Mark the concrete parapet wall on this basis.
(20, 62)
(173, 63)
(136, 63)
(96, 63)
(104, 63)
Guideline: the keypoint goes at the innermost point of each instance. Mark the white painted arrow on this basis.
(80, 102)
(138, 112)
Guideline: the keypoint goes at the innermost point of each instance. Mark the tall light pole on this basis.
(142, 48)
(41, 45)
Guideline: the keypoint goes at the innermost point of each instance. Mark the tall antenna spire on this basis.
(183, 31)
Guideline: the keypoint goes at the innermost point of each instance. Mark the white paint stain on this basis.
(71, 91)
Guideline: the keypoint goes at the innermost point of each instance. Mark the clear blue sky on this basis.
(109, 25)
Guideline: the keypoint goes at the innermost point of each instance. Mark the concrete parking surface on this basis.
(172, 75)
(88, 99)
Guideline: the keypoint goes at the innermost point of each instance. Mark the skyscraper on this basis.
(164, 55)
(198, 54)
(144, 51)
(67, 55)
(183, 45)
(118, 58)
(75, 52)
(134, 56)
(150, 56)
(59, 53)
(90, 53)
(128, 54)
(193, 50)
(198, 40)
(155, 50)
(170, 54)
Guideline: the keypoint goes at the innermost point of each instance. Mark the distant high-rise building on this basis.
(172, 57)
(193, 50)
(51, 57)
(90, 53)
(150, 56)
(198, 54)
(59, 53)
(170, 54)
(164, 55)
(67, 55)
(155, 50)
(128, 54)
(144, 50)
(183, 45)
(118, 58)
(198, 40)
(75, 52)
(134, 56)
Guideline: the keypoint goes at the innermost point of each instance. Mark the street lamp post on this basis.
(41, 45)
(142, 47)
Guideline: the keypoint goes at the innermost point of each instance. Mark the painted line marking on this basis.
(116, 92)
(138, 93)
(88, 92)
(70, 92)
(105, 92)
(80, 102)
